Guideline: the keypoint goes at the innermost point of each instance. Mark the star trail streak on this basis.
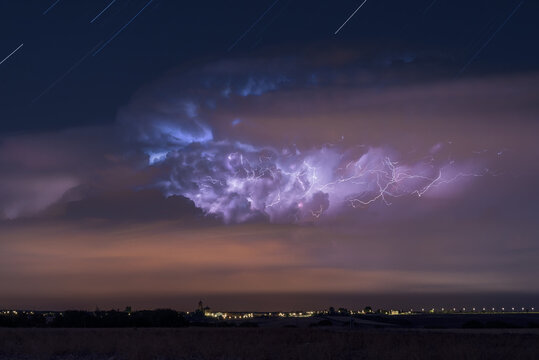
(13, 52)
(252, 26)
(429, 7)
(490, 38)
(50, 7)
(102, 11)
(339, 29)
(122, 28)
(73, 67)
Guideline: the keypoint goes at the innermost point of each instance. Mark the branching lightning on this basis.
(241, 183)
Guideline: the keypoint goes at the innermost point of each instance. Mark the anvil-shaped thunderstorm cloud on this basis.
(241, 181)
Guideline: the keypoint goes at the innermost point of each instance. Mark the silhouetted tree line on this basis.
(22, 320)
(114, 319)
(97, 319)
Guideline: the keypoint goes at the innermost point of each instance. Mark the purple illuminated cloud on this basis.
(179, 127)
(242, 183)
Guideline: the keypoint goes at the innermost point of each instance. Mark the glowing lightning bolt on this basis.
(223, 179)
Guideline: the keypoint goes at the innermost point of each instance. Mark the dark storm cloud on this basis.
(399, 31)
(124, 210)
(477, 234)
(127, 206)
(265, 105)
(212, 125)
(39, 170)
(190, 100)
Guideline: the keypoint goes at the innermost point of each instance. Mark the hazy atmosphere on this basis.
(257, 155)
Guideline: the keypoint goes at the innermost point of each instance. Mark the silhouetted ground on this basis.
(335, 342)
(451, 321)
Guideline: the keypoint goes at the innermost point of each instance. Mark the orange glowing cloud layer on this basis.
(158, 258)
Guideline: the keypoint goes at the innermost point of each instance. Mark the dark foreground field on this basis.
(267, 343)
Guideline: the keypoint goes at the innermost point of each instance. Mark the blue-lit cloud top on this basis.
(175, 124)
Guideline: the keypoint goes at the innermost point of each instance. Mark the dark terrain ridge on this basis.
(424, 336)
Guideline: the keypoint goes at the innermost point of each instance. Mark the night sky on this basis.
(268, 155)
